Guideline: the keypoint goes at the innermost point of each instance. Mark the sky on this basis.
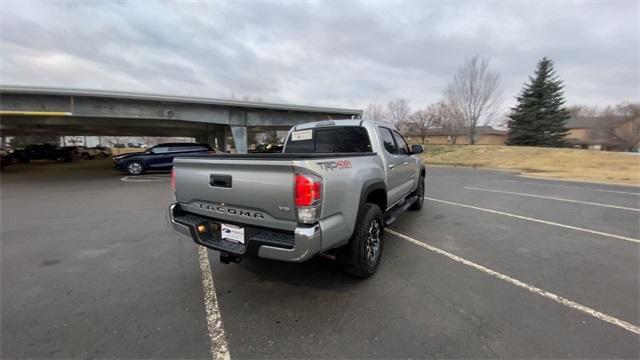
(343, 54)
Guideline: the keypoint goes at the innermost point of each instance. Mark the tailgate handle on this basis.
(220, 180)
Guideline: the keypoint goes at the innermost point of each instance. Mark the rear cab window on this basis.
(338, 139)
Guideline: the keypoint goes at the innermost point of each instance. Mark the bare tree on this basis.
(113, 140)
(628, 131)
(619, 126)
(451, 120)
(583, 110)
(425, 119)
(151, 140)
(475, 93)
(375, 111)
(398, 112)
(628, 110)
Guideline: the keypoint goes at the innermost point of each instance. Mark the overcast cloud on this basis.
(333, 54)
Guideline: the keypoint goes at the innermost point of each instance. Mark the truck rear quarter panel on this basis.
(343, 179)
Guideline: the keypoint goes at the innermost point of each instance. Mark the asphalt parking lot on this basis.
(494, 266)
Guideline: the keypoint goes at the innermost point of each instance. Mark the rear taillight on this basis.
(308, 197)
(173, 179)
(308, 190)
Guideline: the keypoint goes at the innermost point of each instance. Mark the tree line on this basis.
(473, 98)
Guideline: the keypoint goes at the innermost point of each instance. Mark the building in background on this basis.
(612, 133)
(485, 135)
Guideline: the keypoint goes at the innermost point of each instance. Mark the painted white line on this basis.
(219, 345)
(559, 299)
(614, 236)
(575, 187)
(554, 198)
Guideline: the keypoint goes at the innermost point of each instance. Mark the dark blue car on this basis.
(159, 157)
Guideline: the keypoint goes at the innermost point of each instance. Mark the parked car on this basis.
(91, 152)
(7, 157)
(159, 157)
(332, 190)
(82, 152)
(267, 148)
(136, 145)
(44, 152)
(102, 151)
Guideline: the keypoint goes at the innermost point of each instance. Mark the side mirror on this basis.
(417, 149)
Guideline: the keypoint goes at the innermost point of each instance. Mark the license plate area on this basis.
(232, 233)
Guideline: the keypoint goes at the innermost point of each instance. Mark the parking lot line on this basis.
(559, 299)
(614, 236)
(575, 187)
(554, 198)
(219, 345)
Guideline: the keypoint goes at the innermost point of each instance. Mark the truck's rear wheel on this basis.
(366, 246)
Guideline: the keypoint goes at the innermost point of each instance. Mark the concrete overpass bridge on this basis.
(58, 111)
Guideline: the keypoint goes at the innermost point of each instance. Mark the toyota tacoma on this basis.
(332, 190)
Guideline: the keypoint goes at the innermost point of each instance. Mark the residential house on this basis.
(615, 133)
(485, 135)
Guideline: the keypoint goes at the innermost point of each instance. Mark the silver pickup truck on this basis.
(332, 190)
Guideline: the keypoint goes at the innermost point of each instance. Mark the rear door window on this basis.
(160, 149)
(403, 147)
(341, 139)
(387, 140)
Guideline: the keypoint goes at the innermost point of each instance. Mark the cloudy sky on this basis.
(324, 53)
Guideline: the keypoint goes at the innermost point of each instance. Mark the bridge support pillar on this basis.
(215, 136)
(221, 139)
(240, 138)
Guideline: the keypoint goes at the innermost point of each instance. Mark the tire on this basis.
(135, 168)
(367, 243)
(417, 205)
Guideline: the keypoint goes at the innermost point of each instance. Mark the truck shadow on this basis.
(317, 273)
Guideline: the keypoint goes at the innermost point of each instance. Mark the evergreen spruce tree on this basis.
(539, 117)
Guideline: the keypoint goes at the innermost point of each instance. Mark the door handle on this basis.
(391, 166)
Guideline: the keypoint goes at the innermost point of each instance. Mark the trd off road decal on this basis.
(335, 165)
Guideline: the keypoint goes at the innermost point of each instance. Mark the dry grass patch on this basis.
(576, 164)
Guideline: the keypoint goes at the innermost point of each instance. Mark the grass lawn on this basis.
(574, 164)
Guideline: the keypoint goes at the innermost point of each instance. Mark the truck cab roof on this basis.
(347, 122)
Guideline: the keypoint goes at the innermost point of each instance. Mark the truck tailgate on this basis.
(250, 191)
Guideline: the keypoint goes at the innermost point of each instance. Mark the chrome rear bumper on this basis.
(307, 240)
